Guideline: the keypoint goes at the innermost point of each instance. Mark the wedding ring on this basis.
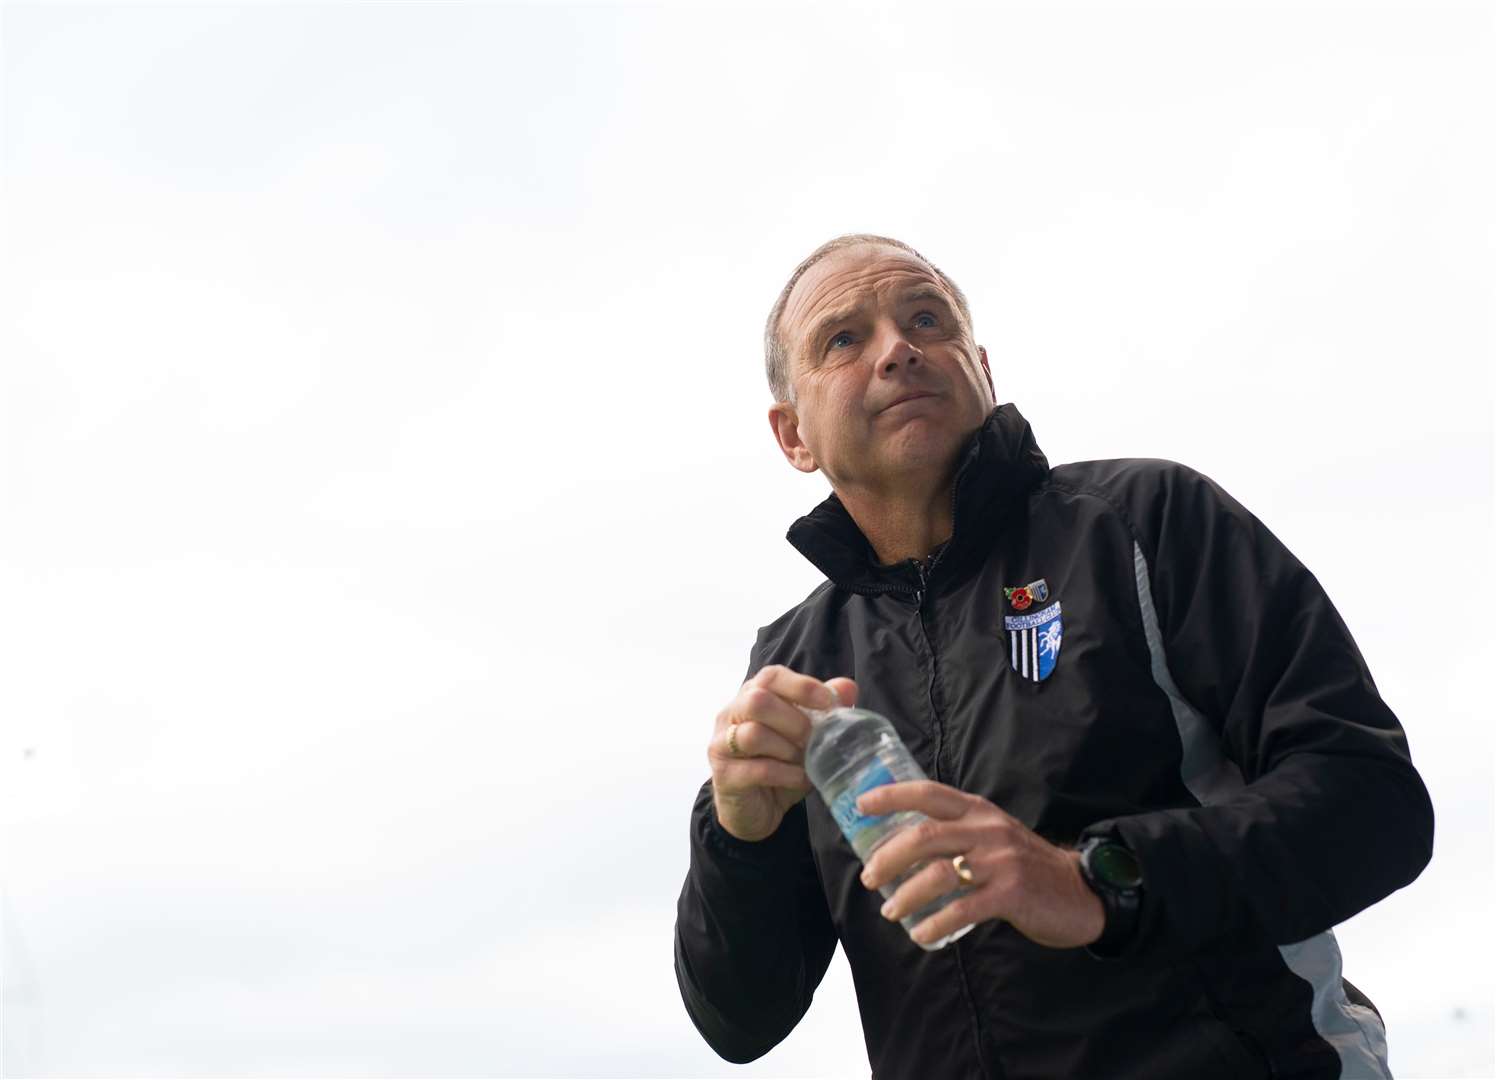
(963, 871)
(732, 738)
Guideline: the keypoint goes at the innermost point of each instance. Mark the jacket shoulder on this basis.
(801, 632)
(1125, 478)
(1148, 492)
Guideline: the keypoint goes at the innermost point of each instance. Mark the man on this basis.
(1159, 766)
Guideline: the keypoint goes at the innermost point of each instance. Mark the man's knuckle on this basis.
(768, 673)
(1005, 888)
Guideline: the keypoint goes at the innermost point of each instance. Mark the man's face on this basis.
(888, 384)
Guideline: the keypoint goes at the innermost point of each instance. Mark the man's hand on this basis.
(1018, 876)
(754, 787)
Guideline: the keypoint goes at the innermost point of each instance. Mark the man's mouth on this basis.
(913, 396)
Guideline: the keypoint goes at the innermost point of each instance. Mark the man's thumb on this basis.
(846, 690)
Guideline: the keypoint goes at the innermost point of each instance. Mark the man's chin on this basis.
(920, 449)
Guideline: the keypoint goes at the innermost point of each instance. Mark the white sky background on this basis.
(387, 504)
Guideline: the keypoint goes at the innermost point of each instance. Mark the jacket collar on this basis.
(999, 466)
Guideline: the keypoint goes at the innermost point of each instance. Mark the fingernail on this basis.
(887, 909)
(825, 697)
(867, 879)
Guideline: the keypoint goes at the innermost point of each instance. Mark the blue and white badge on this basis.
(1034, 641)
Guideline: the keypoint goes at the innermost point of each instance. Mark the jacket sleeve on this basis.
(1312, 809)
(753, 936)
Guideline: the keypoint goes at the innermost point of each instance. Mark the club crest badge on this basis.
(1023, 597)
(1034, 639)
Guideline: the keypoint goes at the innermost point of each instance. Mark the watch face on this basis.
(1115, 865)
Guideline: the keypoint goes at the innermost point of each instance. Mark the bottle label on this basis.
(844, 806)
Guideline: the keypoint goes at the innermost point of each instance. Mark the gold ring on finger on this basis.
(963, 871)
(732, 739)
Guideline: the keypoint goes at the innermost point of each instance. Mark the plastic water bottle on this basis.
(854, 750)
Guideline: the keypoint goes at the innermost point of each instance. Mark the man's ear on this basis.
(786, 425)
(987, 371)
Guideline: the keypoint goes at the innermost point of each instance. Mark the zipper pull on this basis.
(919, 593)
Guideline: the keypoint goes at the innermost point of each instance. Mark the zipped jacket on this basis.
(1179, 682)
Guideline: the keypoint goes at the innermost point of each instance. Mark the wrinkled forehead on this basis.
(850, 278)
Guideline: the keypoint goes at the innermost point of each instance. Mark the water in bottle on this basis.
(853, 750)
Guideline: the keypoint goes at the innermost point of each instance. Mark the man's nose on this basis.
(895, 350)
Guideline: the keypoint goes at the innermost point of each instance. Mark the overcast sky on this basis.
(387, 503)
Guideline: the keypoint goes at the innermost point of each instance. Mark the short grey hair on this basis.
(777, 352)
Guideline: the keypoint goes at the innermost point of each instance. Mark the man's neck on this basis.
(902, 525)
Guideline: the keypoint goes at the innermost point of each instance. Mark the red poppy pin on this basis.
(1022, 597)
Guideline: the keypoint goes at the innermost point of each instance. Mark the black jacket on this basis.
(1207, 706)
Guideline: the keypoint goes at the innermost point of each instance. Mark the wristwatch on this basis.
(1114, 874)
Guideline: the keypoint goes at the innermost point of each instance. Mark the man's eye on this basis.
(925, 315)
(845, 339)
